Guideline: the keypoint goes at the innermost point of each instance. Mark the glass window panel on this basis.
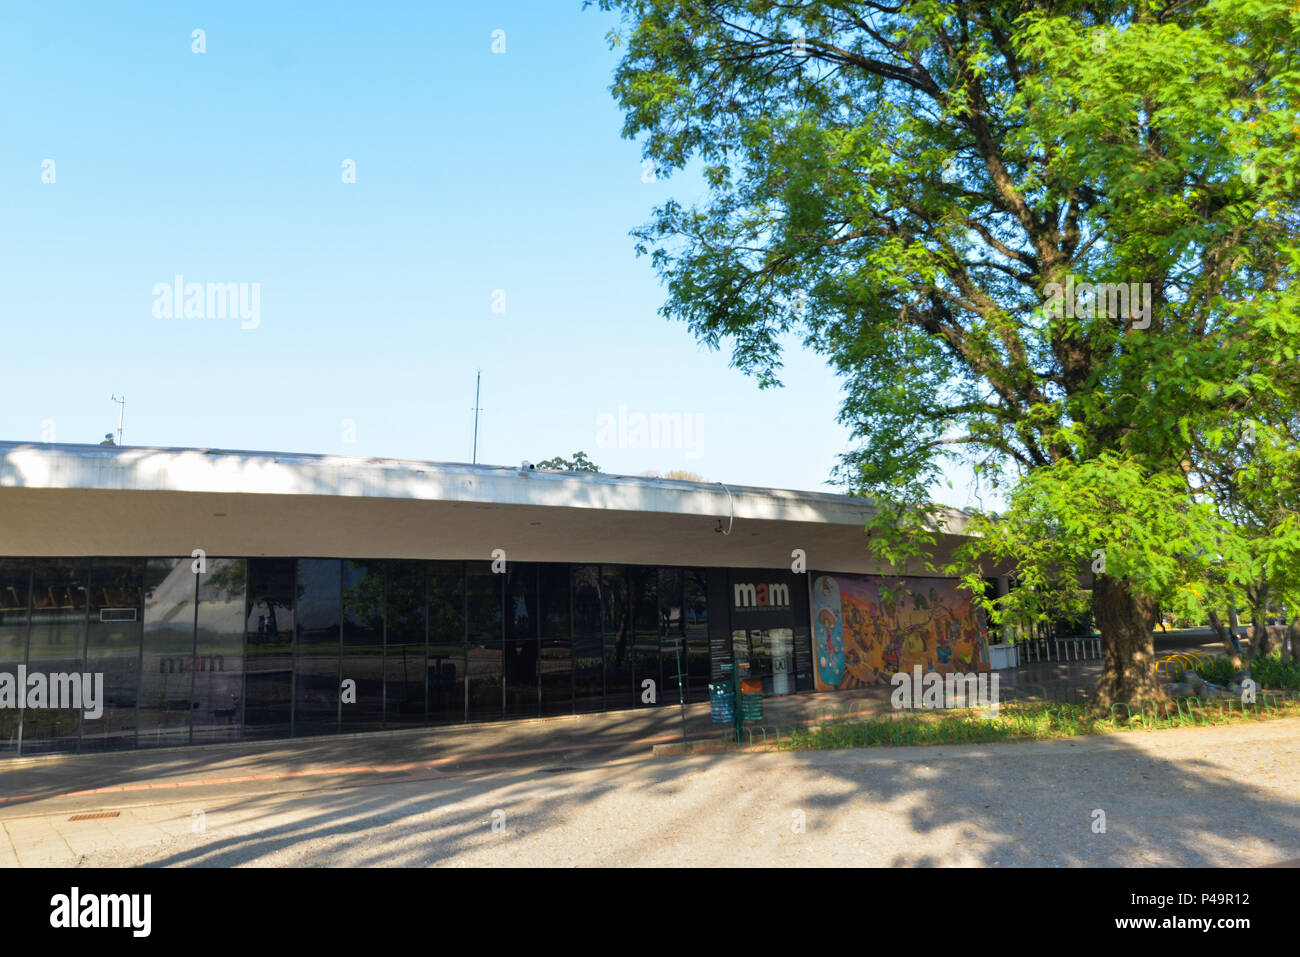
(801, 653)
(616, 627)
(698, 657)
(447, 691)
(113, 649)
(555, 665)
(484, 597)
(645, 636)
(219, 652)
(672, 636)
(268, 667)
(588, 648)
(58, 633)
(363, 643)
(15, 587)
(166, 658)
(405, 664)
(316, 651)
(520, 659)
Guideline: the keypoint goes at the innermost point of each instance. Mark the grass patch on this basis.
(1021, 721)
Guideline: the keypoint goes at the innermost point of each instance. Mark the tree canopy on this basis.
(579, 463)
(1051, 236)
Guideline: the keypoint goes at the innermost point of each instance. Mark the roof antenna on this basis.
(121, 413)
(478, 376)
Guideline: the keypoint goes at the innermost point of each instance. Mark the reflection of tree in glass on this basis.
(363, 597)
(225, 578)
(614, 609)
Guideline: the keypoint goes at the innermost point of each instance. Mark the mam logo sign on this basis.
(187, 663)
(761, 595)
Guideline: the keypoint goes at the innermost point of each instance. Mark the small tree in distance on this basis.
(579, 463)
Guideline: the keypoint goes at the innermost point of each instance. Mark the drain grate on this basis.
(94, 817)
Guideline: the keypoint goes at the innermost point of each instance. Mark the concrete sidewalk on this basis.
(1219, 796)
(71, 781)
(75, 782)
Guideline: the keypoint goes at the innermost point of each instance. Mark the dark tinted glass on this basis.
(113, 650)
(644, 583)
(588, 648)
(58, 634)
(671, 636)
(556, 662)
(219, 652)
(363, 644)
(15, 586)
(316, 653)
(405, 666)
(446, 642)
(616, 627)
(484, 597)
(166, 659)
(268, 669)
(696, 608)
(520, 659)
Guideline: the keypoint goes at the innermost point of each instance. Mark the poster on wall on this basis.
(861, 638)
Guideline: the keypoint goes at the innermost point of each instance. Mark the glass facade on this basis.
(404, 639)
(588, 648)
(113, 648)
(56, 639)
(218, 663)
(15, 593)
(268, 647)
(259, 648)
(446, 685)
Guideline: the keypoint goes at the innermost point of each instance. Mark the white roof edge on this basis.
(238, 471)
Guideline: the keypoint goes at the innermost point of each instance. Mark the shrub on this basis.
(1220, 672)
(1270, 671)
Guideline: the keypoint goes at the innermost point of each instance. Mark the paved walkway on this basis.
(304, 800)
(1182, 797)
(74, 782)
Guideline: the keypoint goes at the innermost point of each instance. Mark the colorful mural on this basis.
(862, 639)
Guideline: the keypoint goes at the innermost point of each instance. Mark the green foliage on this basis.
(1272, 671)
(901, 185)
(1106, 515)
(1221, 671)
(901, 189)
(579, 463)
(1251, 472)
(1013, 722)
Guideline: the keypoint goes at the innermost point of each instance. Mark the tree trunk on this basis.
(1261, 642)
(1260, 639)
(1230, 646)
(1234, 622)
(1293, 633)
(1124, 620)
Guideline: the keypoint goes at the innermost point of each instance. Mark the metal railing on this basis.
(1069, 648)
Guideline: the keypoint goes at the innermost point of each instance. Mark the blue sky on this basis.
(475, 172)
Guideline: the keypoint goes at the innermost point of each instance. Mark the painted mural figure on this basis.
(864, 638)
(828, 614)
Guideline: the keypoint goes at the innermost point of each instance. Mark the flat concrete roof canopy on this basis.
(72, 500)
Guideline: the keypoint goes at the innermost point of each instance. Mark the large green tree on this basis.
(1025, 234)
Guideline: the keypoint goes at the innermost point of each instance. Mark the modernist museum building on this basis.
(229, 595)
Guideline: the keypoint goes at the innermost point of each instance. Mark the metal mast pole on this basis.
(121, 413)
(478, 376)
